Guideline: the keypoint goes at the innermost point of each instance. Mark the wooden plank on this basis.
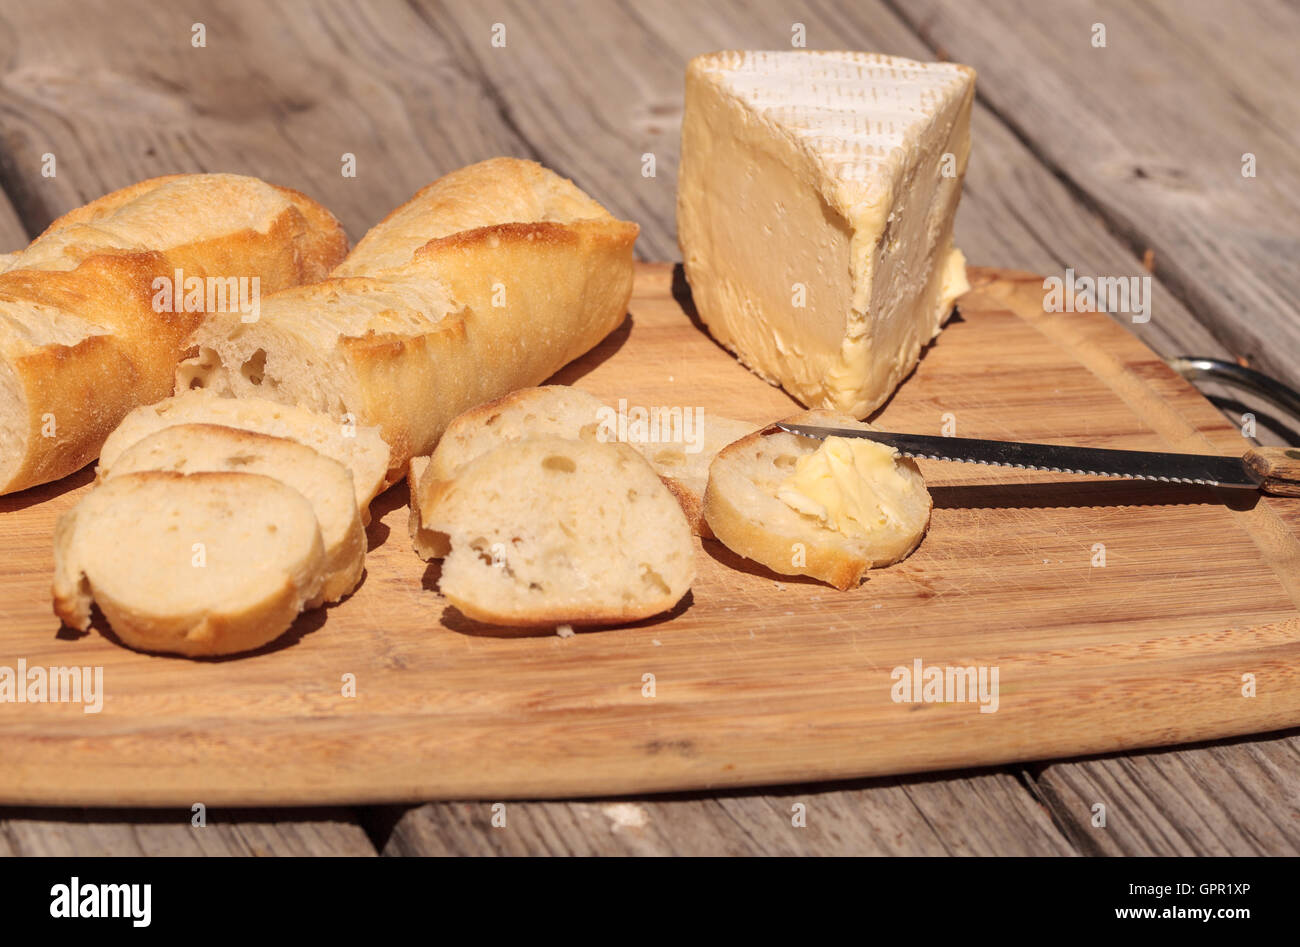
(98, 833)
(1143, 651)
(282, 92)
(966, 814)
(1231, 798)
(1170, 177)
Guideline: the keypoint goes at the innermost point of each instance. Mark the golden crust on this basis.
(480, 195)
(491, 279)
(566, 287)
(128, 352)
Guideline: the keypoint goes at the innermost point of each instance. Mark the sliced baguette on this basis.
(551, 409)
(85, 331)
(204, 564)
(428, 319)
(428, 543)
(551, 531)
(327, 484)
(742, 507)
(529, 412)
(360, 449)
(572, 413)
(685, 466)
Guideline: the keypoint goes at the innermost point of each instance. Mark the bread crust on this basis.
(80, 342)
(520, 299)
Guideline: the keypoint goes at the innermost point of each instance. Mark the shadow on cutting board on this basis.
(1087, 494)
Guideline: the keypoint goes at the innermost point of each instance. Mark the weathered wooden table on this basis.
(1112, 137)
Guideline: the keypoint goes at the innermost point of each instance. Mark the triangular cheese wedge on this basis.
(815, 205)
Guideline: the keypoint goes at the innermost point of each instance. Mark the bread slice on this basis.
(529, 412)
(550, 531)
(572, 413)
(684, 466)
(326, 483)
(204, 564)
(428, 543)
(755, 508)
(360, 449)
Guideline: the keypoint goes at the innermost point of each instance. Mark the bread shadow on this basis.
(303, 625)
(1066, 494)
(377, 532)
(606, 350)
(47, 491)
(738, 563)
(454, 620)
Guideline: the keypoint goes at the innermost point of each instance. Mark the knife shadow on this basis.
(1089, 493)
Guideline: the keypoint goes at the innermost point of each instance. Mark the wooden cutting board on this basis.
(756, 678)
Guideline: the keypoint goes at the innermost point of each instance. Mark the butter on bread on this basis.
(815, 209)
(81, 342)
(426, 319)
(828, 509)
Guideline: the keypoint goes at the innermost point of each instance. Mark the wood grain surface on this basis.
(117, 93)
(757, 678)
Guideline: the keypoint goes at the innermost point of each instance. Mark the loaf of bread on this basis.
(360, 449)
(550, 531)
(197, 564)
(327, 485)
(85, 328)
(488, 280)
(829, 509)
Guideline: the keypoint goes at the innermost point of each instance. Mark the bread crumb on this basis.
(655, 642)
(780, 586)
(564, 631)
(625, 815)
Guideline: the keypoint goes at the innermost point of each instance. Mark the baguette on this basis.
(327, 485)
(828, 509)
(411, 331)
(551, 531)
(360, 449)
(198, 564)
(82, 337)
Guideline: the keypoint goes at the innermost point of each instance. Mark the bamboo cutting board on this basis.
(756, 678)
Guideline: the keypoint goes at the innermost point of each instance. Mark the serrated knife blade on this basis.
(1202, 469)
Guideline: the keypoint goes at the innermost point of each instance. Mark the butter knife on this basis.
(1274, 470)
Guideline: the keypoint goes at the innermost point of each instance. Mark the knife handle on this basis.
(1277, 468)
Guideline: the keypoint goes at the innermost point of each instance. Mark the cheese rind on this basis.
(815, 205)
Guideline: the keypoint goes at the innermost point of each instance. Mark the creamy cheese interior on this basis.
(815, 208)
(852, 486)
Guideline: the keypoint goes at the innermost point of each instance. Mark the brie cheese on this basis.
(815, 206)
